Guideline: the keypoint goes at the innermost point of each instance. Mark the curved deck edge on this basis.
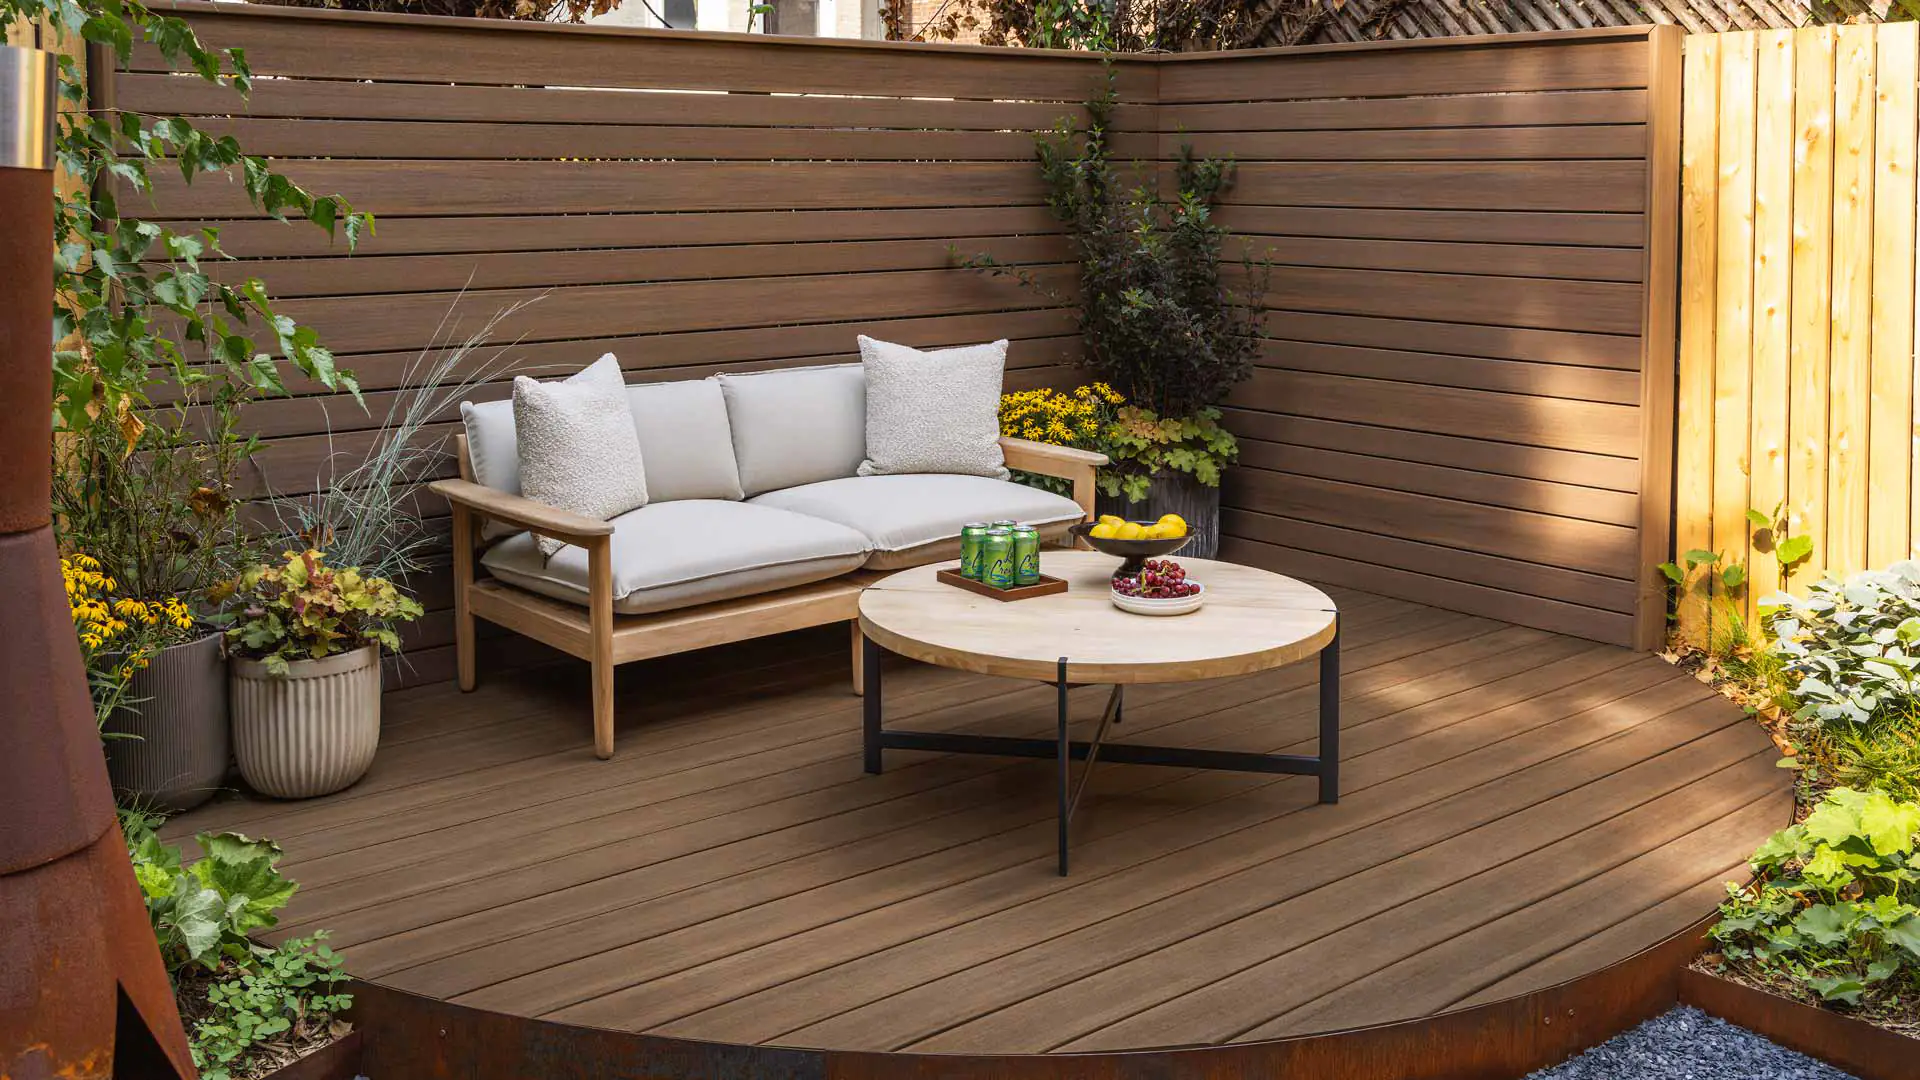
(420, 1038)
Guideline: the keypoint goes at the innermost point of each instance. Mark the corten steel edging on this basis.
(339, 1060)
(83, 992)
(1869, 1052)
(420, 1038)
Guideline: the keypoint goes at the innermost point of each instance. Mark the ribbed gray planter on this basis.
(178, 752)
(311, 731)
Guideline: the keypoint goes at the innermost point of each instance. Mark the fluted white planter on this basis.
(311, 731)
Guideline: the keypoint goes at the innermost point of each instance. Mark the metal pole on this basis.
(870, 697)
(78, 941)
(1065, 758)
(1330, 718)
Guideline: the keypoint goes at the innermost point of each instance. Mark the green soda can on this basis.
(973, 536)
(1005, 523)
(1026, 555)
(997, 563)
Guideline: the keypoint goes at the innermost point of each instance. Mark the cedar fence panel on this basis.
(1797, 310)
(1457, 403)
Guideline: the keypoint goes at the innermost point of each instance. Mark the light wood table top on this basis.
(1252, 620)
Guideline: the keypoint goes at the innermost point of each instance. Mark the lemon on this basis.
(1103, 531)
(1175, 520)
(1131, 530)
(1113, 520)
(1162, 531)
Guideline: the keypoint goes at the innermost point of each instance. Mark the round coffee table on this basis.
(1252, 620)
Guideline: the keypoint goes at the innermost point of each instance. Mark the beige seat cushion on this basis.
(797, 425)
(916, 518)
(693, 551)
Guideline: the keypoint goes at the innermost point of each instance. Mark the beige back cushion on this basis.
(578, 449)
(797, 426)
(933, 412)
(685, 440)
(685, 444)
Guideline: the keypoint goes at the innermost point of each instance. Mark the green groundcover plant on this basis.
(242, 1000)
(1833, 906)
(1852, 646)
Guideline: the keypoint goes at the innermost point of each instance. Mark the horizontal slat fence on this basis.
(1797, 310)
(1462, 395)
(691, 203)
(1451, 407)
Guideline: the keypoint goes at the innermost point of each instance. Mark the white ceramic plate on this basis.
(1178, 605)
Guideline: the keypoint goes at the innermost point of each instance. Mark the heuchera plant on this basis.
(1834, 907)
(302, 609)
(1850, 648)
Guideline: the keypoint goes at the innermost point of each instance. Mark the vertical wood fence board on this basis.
(1890, 425)
(1849, 413)
(1699, 261)
(1733, 334)
(1659, 331)
(1772, 298)
(1811, 318)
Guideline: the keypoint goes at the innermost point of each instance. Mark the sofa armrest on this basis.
(514, 510)
(1064, 462)
(1047, 459)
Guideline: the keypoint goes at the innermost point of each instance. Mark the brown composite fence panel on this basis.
(690, 202)
(1452, 407)
(1464, 396)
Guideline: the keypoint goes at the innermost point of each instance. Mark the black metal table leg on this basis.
(1330, 718)
(1066, 759)
(870, 706)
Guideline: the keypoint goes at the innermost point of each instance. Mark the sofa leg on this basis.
(463, 628)
(603, 708)
(600, 603)
(859, 652)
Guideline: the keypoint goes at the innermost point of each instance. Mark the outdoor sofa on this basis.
(756, 523)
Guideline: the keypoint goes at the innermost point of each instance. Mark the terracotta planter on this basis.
(178, 754)
(1176, 493)
(311, 731)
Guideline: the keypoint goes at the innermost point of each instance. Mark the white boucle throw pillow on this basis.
(935, 411)
(578, 448)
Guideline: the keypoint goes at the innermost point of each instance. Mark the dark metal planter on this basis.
(178, 714)
(1176, 493)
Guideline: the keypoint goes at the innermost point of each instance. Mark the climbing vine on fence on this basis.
(133, 299)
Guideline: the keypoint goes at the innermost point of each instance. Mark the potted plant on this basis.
(305, 673)
(145, 518)
(1157, 322)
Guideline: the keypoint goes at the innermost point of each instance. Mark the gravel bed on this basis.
(1687, 1044)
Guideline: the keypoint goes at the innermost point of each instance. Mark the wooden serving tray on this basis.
(1047, 586)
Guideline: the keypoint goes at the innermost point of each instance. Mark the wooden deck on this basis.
(1519, 808)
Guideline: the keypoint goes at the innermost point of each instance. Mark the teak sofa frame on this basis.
(605, 640)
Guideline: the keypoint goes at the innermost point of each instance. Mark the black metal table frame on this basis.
(1326, 765)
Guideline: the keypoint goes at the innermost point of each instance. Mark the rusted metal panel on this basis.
(420, 1038)
(83, 992)
(1869, 1052)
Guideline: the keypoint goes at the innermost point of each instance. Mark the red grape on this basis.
(1159, 579)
